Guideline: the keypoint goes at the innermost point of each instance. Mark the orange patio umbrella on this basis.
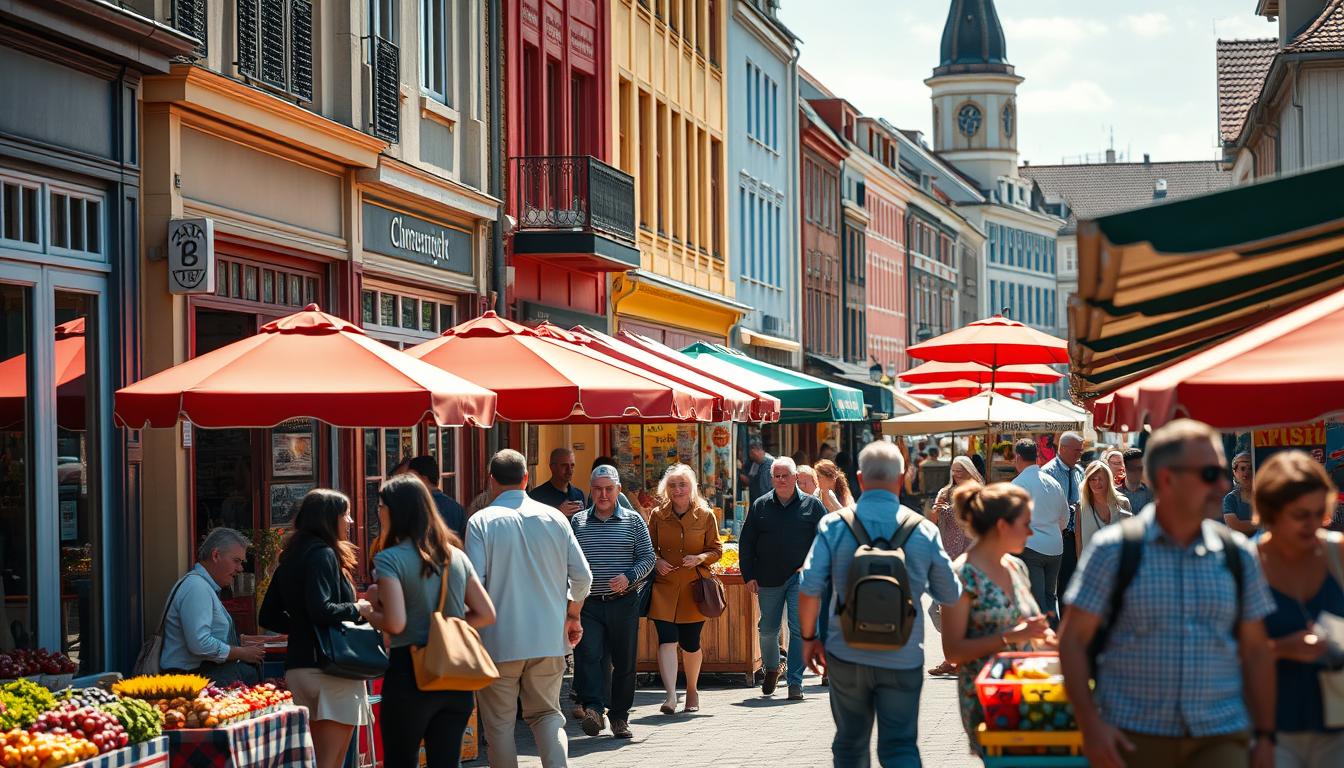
(960, 389)
(764, 407)
(994, 342)
(935, 371)
(307, 365)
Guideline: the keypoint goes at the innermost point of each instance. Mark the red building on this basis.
(574, 213)
(822, 155)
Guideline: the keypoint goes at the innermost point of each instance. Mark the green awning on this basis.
(803, 399)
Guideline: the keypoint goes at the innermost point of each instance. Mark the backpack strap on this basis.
(906, 529)
(1232, 559)
(855, 527)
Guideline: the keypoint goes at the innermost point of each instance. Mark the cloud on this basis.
(1075, 97)
(1054, 29)
(1243, 27)
(1149, 24)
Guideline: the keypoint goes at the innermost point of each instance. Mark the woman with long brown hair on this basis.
(413, 554)
(312, 588)
(833, 485)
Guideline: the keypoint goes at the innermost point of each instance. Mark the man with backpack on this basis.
(1167, 607)
(878, 558)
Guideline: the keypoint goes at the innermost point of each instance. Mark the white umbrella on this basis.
(980, 414)
(1069, 409)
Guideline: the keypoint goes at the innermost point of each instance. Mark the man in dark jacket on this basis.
(775, 540)
(454, 516)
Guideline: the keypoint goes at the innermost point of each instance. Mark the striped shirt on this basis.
(615, 546)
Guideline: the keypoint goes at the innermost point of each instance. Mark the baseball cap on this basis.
(605, 471)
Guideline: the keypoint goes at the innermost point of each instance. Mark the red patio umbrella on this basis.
(764, 408)
(541, 375)
(307, 365)
(961, 389)
(70, 352)
(935, 371)
(994, 342)
(1287, 371)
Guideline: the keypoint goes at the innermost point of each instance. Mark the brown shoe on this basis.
(593, 722)
(771, 678)
(620, 729)
(578, 712)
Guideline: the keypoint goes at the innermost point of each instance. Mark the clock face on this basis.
(1009, 119)
(969, 119)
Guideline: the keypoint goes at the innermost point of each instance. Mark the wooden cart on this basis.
(729, 642)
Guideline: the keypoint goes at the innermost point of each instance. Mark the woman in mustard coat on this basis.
(685, 537)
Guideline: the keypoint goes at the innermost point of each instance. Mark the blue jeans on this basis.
(774, 601)
(858, 694)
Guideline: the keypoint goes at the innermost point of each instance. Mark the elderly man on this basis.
(558, 492)
(615, 542)
(775, 539)
(1067, 470)
(874, 685)
(198, 634)
(1049, 516)
(1185, 673)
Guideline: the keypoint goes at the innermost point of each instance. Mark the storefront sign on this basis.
(191, 256)
(403, 236)
(532, 314)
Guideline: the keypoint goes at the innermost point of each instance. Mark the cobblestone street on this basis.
(745, 730)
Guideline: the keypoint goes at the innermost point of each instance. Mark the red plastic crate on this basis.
(1001, 700)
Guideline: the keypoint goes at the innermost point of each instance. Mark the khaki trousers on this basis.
(538, 682)
(1230, 750)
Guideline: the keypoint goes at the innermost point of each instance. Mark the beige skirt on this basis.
(328, 697)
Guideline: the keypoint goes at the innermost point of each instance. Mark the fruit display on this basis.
(1024, 692)
(141, 720)
(21, 702)
(23, 749)
(154, 687)
(85, 697)
(220, 706)
(729, 563)
(30, 663)
(88, 723)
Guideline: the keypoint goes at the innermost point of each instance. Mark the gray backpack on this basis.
(878, 612)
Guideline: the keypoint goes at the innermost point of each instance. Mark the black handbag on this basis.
(353, 651)
(645, 589)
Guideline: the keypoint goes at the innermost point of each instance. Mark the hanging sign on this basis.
(191, 256)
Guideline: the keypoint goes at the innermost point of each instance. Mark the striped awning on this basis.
(1158, 284)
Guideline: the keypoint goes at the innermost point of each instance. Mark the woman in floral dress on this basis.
(996, 611)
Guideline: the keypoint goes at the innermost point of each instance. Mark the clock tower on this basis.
(975, 95)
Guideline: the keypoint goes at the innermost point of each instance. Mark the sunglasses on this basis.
(1210, 474)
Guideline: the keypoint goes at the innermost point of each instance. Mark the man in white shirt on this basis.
(1049, 518)
(198, 634)
(529, 560)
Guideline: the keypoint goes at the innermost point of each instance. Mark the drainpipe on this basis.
(1301, 129)
(794, 203)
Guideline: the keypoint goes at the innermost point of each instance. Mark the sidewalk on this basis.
(738, 728)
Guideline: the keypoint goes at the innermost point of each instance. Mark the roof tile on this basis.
(1325, 34)
(1100, 189)
(1242, 67)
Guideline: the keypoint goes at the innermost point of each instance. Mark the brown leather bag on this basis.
(453, 659)
(710, 596)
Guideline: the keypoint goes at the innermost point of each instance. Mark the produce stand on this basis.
(730, 642)
(278, 739)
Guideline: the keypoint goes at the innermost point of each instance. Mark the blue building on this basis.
(763, 168)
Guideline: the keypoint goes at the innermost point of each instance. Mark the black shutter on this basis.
(386, 122)
(247, 37)
(301, 49)
(189, 18)
(272, 67)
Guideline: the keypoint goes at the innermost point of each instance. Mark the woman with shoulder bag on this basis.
(685, 537)
(413, 554)
(1304, 566)
(310, 591)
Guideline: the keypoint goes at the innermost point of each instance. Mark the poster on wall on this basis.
(627, 447)
(284, 502)
(69, 520)
(291, 455)
(660, 451)
(1324, 440)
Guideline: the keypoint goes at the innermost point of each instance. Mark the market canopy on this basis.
(935, 371)
(307, 365)
(541, 376)
(803, 399)
(980, 414)
(1161, 283)
(877, 396)
(764, 407)
(1287, 371)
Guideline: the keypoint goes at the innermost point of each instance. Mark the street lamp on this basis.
(923, 334)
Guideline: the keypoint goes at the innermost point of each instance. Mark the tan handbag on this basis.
(453, 658)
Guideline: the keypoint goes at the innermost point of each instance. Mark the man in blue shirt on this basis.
(1187, 654)
(452, 513)
(1067, 470)
(558, 492)
(865, 684)
(198, 634)
(1049, 516)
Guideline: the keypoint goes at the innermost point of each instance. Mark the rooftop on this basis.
(1242, 67)
(1100, 189)
(1325, 34)
(973, 40)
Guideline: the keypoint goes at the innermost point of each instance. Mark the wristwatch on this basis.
(807, 639)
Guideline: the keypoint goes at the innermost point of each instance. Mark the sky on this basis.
(1142, 70)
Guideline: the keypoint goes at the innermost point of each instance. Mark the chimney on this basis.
(1159, 189)
(1110, 156)
(1146, 159)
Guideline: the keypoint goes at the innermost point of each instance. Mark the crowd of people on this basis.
(1220, 650)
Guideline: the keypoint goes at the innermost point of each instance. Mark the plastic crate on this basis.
(1022, 705)
(1030, 743)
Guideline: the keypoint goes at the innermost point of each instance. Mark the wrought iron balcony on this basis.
(575, 193)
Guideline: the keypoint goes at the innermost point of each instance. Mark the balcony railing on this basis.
(575, 193)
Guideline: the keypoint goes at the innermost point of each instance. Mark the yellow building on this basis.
(668, 127)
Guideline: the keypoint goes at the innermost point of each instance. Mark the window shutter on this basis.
(273, 45)
(247, 37)
(301, 49)
(189, 17)
(386, 90)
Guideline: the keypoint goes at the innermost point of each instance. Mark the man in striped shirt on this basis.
(615, 542)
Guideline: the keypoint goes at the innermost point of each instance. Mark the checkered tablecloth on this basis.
(279, 739)
(151, 754)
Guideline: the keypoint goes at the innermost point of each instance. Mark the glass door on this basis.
(18, 538)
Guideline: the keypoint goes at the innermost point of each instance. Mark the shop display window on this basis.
(18, 608)
(644, 452)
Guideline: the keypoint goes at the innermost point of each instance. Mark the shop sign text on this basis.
(403, 236)
(191, 256)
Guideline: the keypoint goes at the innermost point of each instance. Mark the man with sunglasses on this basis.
(1185, 672)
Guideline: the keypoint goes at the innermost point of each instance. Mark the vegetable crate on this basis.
(1020, 703)
(1029, 749)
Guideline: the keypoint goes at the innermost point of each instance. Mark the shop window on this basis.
(287, 291)
(275, 45)
(384, 450)
(18, 537)
(644, 452)
(404, 320)
(435, 64)
(20, 212)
